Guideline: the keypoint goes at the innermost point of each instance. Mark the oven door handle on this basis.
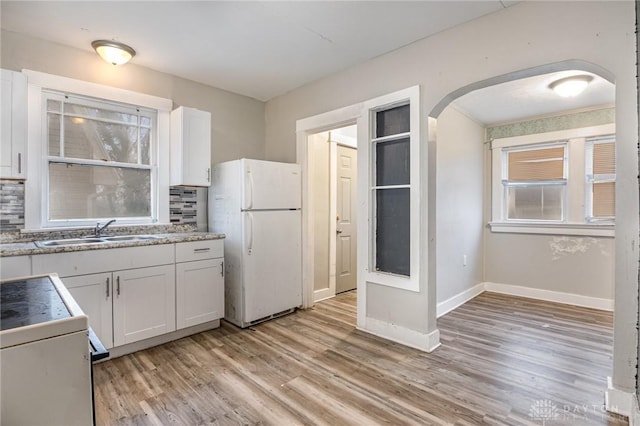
(98, 351)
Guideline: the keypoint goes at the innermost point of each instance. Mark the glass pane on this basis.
(392, 163)
(53, 133)
(393, 231)
(392, 121)
(98, 140)
(87, 192)
(53, 105)
(145, 144)
(145, 121)
(604, 199)
(73, 109)
(535, 202)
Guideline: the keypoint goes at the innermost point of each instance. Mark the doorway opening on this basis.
(332, 197)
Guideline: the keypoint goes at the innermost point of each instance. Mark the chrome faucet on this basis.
(100, 229)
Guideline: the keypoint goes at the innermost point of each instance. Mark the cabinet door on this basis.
(144, 303)
(94, 294)
(199, 292)
(190, 147)
(14, 124)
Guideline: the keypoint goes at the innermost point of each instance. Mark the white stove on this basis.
(45, 357)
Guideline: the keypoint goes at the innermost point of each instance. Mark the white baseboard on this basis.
(414, 339)
(634, 416)
(459, 299)
(618, 401)
(551, 296)
(323, 294)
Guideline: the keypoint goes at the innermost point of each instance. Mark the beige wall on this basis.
(525, 35)
(459, 201)
(237, 122)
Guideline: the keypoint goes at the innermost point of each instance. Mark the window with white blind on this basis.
(535, 182)
(601, 179)
(557, 182)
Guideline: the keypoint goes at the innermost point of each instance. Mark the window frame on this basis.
(62, 159)
(366, 185)
(36, 207)
(575, 211)
(506, 183)
(591, 179)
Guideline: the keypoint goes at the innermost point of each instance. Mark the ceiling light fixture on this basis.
(571, 86)
(113, 52)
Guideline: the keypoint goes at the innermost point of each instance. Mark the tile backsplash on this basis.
(186, 206)
(11, 205)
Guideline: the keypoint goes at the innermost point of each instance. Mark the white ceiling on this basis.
(531, 97)
(263, 49)
(260, 49)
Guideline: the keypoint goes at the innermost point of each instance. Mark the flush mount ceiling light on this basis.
(113, 52)
(571, 86)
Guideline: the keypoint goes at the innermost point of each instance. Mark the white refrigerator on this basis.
(256, 204)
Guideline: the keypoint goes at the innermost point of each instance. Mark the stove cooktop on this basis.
(30, 301)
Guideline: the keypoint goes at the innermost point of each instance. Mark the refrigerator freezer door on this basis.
(269, 185)
(272, 263)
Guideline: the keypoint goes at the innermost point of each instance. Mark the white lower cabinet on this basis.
(144, 303)
(94, 295)
(199, 292)
(135, 293)
(127, 306)
(199, 282)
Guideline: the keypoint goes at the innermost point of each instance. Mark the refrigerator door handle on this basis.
(250, 184)
(250, 226)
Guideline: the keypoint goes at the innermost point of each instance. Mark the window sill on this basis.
(593, 230)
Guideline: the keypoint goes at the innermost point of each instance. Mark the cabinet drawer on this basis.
(106, 260)
(15, 266)
(198, 250)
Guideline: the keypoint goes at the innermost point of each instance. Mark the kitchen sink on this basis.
(69, 242)
(132, 238)
(94, 240)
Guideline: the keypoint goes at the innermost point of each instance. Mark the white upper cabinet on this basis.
(190, 147)
(14, 125)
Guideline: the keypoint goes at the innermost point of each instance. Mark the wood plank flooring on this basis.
(503, 361)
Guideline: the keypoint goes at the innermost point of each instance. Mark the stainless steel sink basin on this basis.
(93, 240)
(69, 242)
(132, 238)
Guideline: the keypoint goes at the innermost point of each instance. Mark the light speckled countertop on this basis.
(21, 247)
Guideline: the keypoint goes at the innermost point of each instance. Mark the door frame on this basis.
(304, 128)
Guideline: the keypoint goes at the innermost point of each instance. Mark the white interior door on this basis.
(346, 213)
(272, 262)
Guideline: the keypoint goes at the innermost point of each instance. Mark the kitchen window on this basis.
(555, 183)
(99, 160)
(95, 153)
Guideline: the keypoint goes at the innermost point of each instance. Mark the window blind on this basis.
(604, 192)
(536, 164)
(604, 158)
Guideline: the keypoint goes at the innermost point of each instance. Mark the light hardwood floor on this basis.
(504, 360)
